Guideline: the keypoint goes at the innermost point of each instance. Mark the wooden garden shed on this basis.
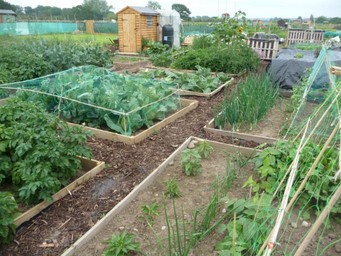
(135, 24)
(7, 16)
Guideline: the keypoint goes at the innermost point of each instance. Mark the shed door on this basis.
(129, 33)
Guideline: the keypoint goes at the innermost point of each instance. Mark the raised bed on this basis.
(266, 131)
(201, 94)
(187, 106)
(196, 192)
(183, 92)
(91, 243)
(191, 71)
(89, 167)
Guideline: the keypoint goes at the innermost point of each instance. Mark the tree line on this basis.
(88, 10)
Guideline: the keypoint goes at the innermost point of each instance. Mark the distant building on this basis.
(225, 15)
(7, 16)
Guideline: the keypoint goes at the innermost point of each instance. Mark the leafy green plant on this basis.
(204, 148)
(191, 162)
(149, 212)
(202, 42)
(234, 58)
(121, 244)
(246, 233)
(201, 80)
(299, 55)
(248, 104)
(155, 48)
(231, 29)
(144, 100)
(172, 188)
(273, 162)
(8, 207)
(38, 152)
(163, 59)
(27, 59)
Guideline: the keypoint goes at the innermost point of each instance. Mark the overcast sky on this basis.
(252, 8)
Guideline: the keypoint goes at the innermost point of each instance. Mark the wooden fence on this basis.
(304, 35)
(267, 49)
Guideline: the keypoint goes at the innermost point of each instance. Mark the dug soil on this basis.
(196, 193)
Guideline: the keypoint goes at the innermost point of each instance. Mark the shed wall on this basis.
(141, 28)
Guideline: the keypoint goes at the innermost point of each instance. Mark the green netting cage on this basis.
(98, 97)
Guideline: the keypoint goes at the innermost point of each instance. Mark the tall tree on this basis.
(95, 9)
(154, 5)
(182, 10)
(7, 6)
(321, 19)
(311, 18)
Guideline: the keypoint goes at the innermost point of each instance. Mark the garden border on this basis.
(92, 166)
(102, 223)
(188, 92)
(191, 71)
(187, 106)
(201, 94)
(209, 128)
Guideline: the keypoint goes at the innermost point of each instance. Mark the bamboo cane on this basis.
(312, 168)
(306, 141)
(335, 70)
(318, 222)
(285, 199)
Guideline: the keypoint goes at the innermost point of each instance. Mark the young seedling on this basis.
(190, 162)
(149, 212)
(172, 188)
(121, 244)
(204, 148)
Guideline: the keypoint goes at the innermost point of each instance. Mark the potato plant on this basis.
(38, 152)
(8, 207)
(33, 58)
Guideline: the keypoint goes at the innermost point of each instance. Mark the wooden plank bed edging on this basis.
(183, 92)
(201, 94)
(189, 105)
(101, 224)
(93, 168)
(243, 136)
(241, 73)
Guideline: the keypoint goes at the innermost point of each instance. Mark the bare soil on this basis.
(196, 193)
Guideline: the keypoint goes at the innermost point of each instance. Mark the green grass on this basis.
(100, 38)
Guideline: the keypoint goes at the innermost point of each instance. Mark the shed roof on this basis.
(142, 10)
(7, 12)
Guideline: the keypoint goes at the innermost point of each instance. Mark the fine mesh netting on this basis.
(294, 206)
(98, 97)
(307, 195)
